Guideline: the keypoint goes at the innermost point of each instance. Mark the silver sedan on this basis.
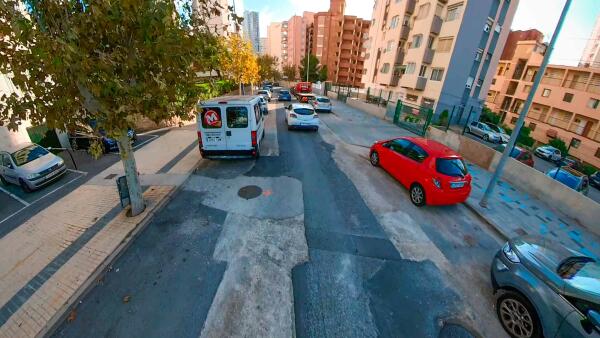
(30, 166)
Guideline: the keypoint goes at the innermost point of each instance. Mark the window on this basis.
(5, 160)
(304, 111)
(423, 11)
(257, 112)
(412, 98)
(394, 22)
(211, 118)
(532, 126)
(593, 103)
(390, 45)
(444, 44)
(513, 120)
(597, 154)
(454, 12)
(28, 154)
(406, 20)
(488, 56)
(494, 81)
(385, 68)
(416, 42)
(399, 145)
(546, 92)
(237, 117)
(430, 42)
(454, 167)
(416, 153)
(423, 71)
(410, 68)
(437, 74)
(568, 97)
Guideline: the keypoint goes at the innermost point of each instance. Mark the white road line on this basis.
(141, 144)
(14, 196)
(11, 215)
(60, 187)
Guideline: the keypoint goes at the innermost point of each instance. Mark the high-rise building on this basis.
(262, 49)
(287, 40)
(337, 41)
(220, 24)
(275, 40)
(566, 104)
(437, 53)
(591, 53)
(251, 29)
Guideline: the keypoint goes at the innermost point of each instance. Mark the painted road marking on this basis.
(14, 196)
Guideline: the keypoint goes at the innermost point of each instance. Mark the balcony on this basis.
(436, 25)
(413, 82)
(399, 58)
(410, 6)
(395, 79)
(428, 56)
(404, 31)
(421, 82)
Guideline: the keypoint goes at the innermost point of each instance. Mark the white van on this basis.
(230, 126)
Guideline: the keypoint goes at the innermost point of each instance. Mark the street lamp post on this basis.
(526, 106)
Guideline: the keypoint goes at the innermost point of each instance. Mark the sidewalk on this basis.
(49, 261)
(511, 212)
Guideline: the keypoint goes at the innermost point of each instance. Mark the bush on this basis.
(559, 144)
(489, 116)
(443, 119)
(588, 169)
(524, 139)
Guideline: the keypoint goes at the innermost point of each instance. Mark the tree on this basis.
(267, 67)
(559, 144)
(78, 61)
(487, 115)
(239, 64)
(323, 73)
(313, 68)
(289, 71)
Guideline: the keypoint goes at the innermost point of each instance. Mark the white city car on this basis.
(301, 116)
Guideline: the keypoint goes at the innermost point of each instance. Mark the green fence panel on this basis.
(413, 117)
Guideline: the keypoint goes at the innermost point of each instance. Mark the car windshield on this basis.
(28, 154)
(263, 92)
(284, 92)
(323, 99)
(304, 111)
(451, 166)
(565, 178)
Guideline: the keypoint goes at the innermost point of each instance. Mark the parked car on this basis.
(306, 97)
(230, 126)
(433, 173)
(519, 154)
(284, 95)
(571, 178)
(30, 166)
(266, 93)
(81, 136)
(572, 162)
(322, 103)
(545, 289)
(264, 107)
(504, 137)
(548, 153)
(301, 116)
(482, 130)
(595, 180)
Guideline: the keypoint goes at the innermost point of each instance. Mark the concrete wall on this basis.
(332, 95)
(367, 107)
(557, 195)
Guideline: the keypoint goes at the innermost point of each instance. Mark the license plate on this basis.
(456, 185)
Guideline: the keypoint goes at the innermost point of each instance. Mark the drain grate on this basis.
(249, 192)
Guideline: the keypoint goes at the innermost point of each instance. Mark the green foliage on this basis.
(323, 73)
(559, 144)
(588, 169)
(443, 119)
(267, 67)
(489, 116)
(314, 69)
(290, 72)
(524, 138)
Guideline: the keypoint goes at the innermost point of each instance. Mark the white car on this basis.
(301, 116)
(482, 130)
(265, 93)
(504, 137)
(322, 103)
(30, 166)
(548, 152)
(263, 105)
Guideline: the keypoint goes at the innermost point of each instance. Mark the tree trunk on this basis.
(133, 181)
(251, 88)
(240, 89)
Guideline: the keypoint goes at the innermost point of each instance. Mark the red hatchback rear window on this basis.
(451, 167)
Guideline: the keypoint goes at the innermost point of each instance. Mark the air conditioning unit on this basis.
(498, 28)
(468, 85)
(486, 28)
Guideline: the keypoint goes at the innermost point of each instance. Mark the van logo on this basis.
(212, 119)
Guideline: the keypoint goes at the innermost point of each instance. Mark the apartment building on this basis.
(591, 52)
(337, 41)
(437, 53)
(251, 29)
(274, 45)
(220, 24)
(262, 47)
(565, 106)
(287, 40)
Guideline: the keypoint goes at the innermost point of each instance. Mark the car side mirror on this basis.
(594, 318)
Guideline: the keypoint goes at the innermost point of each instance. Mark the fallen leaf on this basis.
(72, 316)
(126, 299)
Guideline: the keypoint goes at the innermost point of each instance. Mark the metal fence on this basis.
(413, 117)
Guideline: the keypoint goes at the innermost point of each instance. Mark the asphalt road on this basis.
(541, 165)
(16, 206)
(313, 240)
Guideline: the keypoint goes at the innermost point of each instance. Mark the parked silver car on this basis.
(548, 152)
(482, 130)
(504, 137)
(546, 290)
(30, 166)
(263, 105)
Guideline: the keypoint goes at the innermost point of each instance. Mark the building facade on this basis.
(591, 53)
(337, 41)
(565, 106)
(221, 24)
(251, 29)
(287, 40)
(437, 53)
(262, 47)
(273, 46)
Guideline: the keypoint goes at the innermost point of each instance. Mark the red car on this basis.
(434, 173)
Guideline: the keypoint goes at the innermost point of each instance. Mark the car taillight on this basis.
(254, 140)
(200, 139)
(293, 115)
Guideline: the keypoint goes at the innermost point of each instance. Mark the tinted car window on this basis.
(237, 117)
(322, 99)
(285, 92)
(28, 154)
(211, 118)
(304, 111)
(399, 145)
(451, 167)
(416, 153)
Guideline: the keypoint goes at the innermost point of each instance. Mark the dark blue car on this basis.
(284, 95)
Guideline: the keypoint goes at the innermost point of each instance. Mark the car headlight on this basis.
(61, 163)
(33, 176)
(510, 254)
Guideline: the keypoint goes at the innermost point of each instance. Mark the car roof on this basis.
(231, 99)
(573, 171)
(11, 148)
(432, 147)
(301, 105)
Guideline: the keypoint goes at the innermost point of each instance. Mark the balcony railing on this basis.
(410, 6)
(436, 25)
(421, 82)
(404, 31)
(428, 56)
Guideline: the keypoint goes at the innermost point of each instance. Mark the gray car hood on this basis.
(40, 164)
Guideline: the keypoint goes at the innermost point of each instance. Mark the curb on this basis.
(102, 269)
(492, 224)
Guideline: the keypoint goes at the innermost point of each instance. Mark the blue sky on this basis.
(539, 14)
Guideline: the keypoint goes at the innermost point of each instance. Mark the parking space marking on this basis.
(14, 196)
(148, 140)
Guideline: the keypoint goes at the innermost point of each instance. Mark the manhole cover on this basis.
(455, 331)
(250, 192)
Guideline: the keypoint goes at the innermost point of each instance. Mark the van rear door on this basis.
(239, 128)
(212, 129)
